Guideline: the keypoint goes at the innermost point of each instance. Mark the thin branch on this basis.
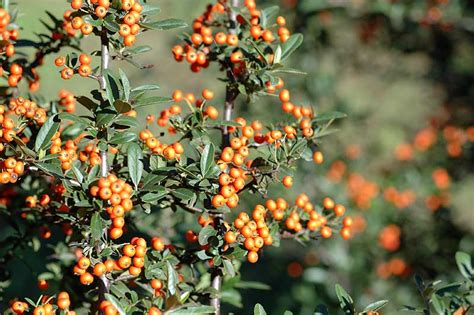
(104, 283)
(231, 95)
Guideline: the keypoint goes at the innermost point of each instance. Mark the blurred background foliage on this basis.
(402, 161)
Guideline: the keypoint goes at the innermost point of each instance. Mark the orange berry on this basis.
(346, 233)
(207, 94)
(229, 237)
(252, 257)
(339, 210)
(100, 11)
(326, 232)
(287, 181)
(328, 203)
(218, 201)
(318, 157)
(86, 278)
(129, 250)
(99, 269)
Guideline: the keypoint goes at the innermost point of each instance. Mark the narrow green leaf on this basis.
(125, 84)
(207, 158)
(219, 123)
(146, 87)
(153, 197)
(87, 102)
(192, 310)
(267, 14)
(97, 227)
(183, 194)
(154, 100)
(252, 285)
(288, 47)
(122, 106)
(329, 116)
(165, 24)
(172, 278)
(375, 306)
(259, 310)
(135, 163)
(464, 262)
(228, 267)
(346, 302)
(205, 233)
(112, 88)
(74, 118)
(46, 132)
(123, 137)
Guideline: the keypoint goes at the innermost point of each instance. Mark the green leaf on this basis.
(448, 288)
(105, 117)
(172, 278)
(139, 49)
(438, 304)
(346, 302)
(111, 25)
(228, 267)
(112, 88)
(252, 285)
(47, 131)
(146, 87)
(375, 306)
(267, 14)
(88, 19)
(74, 118)
(288, 47)
(277, 57)
(219, 123)
(135, 163)
(165, 24)
(126, 121)
(123, 137)
(150, 9)
(205, 233)
(288, 70)
(329, 116)
(464, 262)
(125, 84)
(183, 194)
(97, 227)
(153, 197)
(259, 310)
(192, 310)
(122, 106)
(207, 158)
(87, 102)
(154, 100)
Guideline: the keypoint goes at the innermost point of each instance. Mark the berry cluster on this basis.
(67, 101)
(90, 154)
(168, 151)
(63, 303)
(67, 155)
(117, 193)
(28, 109)
(210, 37)
(129, 26)
(11, 170)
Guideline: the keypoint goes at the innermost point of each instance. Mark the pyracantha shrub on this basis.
(91, 187)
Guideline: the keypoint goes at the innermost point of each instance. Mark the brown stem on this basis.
(231, 95)
(104, 283)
